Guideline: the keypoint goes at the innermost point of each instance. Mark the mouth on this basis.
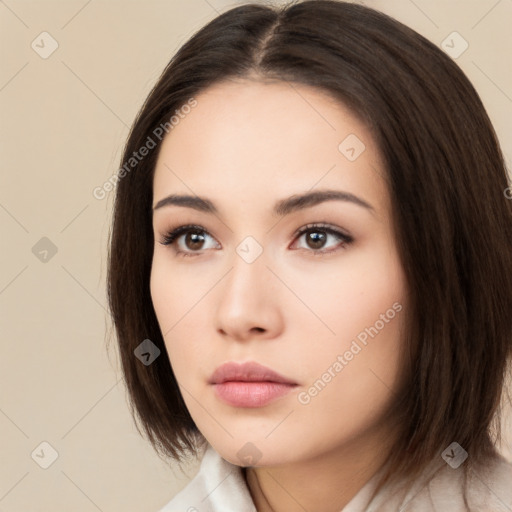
(249, 384)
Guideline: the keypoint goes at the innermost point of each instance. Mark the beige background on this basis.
(63, 122)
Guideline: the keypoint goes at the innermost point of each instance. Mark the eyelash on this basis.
(171, 237)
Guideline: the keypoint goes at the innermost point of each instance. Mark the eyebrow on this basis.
(281, 208)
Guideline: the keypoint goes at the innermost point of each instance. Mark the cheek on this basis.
(352, 295)
(174, 292)
(161, 293)
(354, 368)
(352, 383)
(179, 298)
(169, 297)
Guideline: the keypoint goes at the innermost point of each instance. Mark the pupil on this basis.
(317, 240)
(195, 238)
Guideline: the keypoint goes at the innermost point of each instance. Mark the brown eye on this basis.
(316, 237)
(194, 240)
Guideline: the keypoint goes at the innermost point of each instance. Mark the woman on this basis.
(310, 271)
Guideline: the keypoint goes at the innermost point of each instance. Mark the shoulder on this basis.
(490, 487)
(218, 486)
(483, 488)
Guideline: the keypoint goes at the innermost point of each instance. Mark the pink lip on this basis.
(249, 384)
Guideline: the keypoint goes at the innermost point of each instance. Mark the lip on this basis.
(249, 384)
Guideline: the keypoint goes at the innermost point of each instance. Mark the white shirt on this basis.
(219, 486)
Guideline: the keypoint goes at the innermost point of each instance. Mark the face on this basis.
(309, 288)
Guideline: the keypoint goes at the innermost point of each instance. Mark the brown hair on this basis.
(446, 177)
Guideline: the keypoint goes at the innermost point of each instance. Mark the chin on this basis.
(256, 453)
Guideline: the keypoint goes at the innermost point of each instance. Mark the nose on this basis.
(248, 303)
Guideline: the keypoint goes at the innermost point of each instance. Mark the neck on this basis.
(324, 483)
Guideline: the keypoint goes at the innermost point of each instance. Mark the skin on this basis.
(244, 146)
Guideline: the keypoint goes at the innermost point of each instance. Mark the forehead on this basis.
(268, 115)
(255, 139)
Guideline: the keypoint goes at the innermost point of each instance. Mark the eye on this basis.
(194, 239)
(195, 236)
(316, 236)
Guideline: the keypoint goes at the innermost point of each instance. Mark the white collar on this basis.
(220, 486)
